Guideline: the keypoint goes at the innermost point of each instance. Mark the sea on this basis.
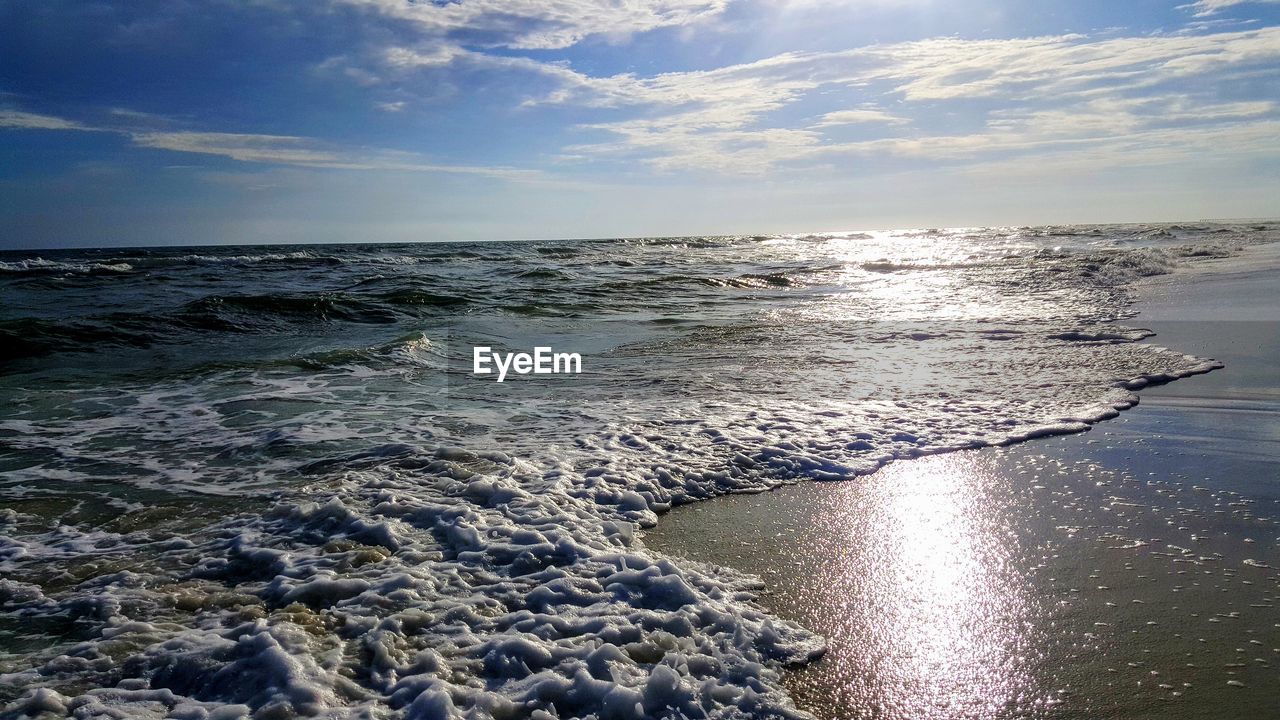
(265, 481)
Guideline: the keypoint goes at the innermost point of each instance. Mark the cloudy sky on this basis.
(221, 121)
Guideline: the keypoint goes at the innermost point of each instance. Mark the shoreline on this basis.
(1151, 484)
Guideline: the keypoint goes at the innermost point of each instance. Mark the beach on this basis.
(1126, 572)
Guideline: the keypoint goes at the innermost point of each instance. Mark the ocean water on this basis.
(264, 481)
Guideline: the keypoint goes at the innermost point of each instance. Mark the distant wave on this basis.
(40, 266)
(244, 309)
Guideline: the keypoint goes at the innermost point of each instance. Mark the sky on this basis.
(171, 122)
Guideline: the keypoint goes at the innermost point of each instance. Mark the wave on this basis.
(886, 266)
(542, 273)
(1119, 267)
(27, 338)
(255, 313)
(751, 280)
(421, 298)
(413, 350)
(557, 253)
(292, 258)
(1113, 335)
(40, 266)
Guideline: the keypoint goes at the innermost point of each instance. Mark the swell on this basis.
(414, 350)
(32, 337)
(27, 338)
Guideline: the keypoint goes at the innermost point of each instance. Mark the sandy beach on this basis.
(1125, 572)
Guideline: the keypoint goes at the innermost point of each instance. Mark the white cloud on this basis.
(16, 120)
(1037, 94)
(265, 149)
(542, 24)
(1204, 8)
(1250, 140)
(305, 152)
(1051, 90)
(857, 117)
(438, 55)
(462, 33)
(952, 68)
(243, 147)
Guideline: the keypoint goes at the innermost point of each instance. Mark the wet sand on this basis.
(1132, 571)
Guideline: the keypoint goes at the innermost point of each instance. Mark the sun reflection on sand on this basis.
(1079, 577)
(926, 593)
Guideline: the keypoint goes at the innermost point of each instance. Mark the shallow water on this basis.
(265, 479)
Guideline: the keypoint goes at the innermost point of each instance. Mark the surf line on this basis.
(543, 361)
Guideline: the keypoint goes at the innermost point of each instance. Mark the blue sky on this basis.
(137, 122)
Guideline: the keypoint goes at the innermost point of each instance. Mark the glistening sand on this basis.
(1127, 572)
